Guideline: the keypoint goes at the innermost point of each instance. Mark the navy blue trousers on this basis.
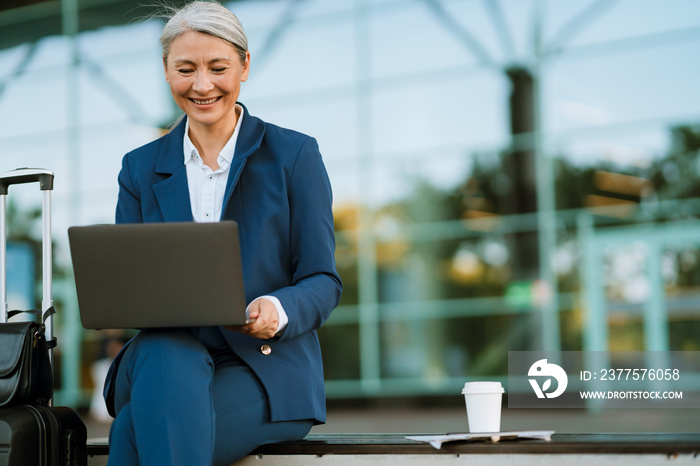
(182, 397)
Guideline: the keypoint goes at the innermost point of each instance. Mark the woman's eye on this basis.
(184, 71)
(218, 70)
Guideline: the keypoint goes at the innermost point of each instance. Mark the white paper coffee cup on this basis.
(483, 400)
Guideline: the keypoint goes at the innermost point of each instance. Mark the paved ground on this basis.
(454, 420)
(425, 419)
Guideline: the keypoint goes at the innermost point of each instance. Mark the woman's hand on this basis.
(266, 320)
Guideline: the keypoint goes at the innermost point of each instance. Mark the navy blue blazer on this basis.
(279, 193)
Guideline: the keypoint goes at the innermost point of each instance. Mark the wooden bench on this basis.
(387, 449)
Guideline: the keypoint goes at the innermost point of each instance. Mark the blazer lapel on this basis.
(249, 140)
(173, 193)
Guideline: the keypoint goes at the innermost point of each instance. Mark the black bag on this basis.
(25, 368)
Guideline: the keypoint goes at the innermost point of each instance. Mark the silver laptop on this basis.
(153, 275)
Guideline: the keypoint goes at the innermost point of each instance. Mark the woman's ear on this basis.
(246, 67)
(165, 68)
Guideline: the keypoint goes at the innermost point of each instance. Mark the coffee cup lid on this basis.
(473, 388)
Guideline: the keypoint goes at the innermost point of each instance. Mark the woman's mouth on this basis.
(205, 102)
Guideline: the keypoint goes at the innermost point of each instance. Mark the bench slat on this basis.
(383, 444)
(322, 444)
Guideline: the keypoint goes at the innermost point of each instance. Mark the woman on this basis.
(207, 395)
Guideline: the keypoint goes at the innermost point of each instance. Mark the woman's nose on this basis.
(202, 83)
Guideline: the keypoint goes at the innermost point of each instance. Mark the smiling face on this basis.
(205, 75)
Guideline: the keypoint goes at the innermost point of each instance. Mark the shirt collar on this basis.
(227, 152)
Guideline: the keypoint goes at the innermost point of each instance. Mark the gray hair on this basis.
(205, 17)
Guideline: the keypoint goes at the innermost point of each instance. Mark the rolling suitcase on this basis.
(36, 434)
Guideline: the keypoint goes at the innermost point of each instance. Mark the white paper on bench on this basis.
(437, 440)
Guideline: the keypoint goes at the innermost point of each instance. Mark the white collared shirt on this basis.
(208, 187)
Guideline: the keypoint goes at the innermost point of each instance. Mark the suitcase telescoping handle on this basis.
(45, 180)
(26, 175)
